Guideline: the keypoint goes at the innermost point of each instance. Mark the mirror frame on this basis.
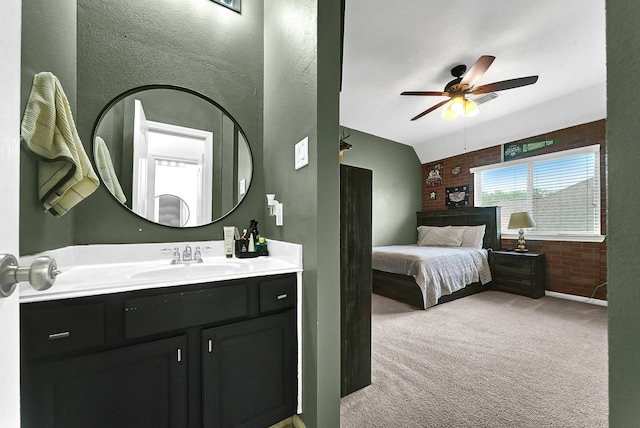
(137, 89)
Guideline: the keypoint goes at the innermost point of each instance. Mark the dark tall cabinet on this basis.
(355, 277)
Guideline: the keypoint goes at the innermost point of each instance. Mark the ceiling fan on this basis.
(463, 85)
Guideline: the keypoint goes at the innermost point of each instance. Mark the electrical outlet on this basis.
(302, 153)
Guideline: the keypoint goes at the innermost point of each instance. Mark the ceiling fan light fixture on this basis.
(460, 106)
(448, 113)
(470, 108)
(457, 104)
(465, 84)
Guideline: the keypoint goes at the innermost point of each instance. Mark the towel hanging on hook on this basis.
(65, 174)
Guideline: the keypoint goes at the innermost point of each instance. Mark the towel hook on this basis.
(41, 274)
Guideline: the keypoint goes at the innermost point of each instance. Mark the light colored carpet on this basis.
(489, 360)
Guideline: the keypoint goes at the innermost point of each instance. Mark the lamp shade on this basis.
(521, 220)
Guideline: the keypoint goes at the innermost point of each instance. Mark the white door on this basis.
(10, 18)
(180, 163)
(139, 199)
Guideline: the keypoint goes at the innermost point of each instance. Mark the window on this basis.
(561, 191)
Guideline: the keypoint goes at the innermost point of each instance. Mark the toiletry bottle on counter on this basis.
(229, 232)
(261, 247)
(252, 246)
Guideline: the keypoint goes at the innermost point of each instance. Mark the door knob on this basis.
(41, 274)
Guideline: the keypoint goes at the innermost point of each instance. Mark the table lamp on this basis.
(521, 221)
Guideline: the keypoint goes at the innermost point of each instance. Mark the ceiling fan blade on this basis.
(429, 110)
(505, 84)
(477, 70)
(426, 93)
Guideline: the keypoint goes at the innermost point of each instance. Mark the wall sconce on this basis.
(275, 208)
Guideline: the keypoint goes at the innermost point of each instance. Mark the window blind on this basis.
(561, 191)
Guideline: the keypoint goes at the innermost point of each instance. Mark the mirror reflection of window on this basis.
(181, 179)
(170, 210)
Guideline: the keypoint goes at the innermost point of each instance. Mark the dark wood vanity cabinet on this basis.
(240, 363)
(135, 386)
(209, 355)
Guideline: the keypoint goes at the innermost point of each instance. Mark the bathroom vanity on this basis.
(208, 353)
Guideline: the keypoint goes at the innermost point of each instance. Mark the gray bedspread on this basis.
(438, 271)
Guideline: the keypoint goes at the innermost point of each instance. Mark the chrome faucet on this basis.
(186, 254)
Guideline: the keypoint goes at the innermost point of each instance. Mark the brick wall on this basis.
(571, 267)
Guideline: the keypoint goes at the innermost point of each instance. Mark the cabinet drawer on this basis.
(522, 283)
(59, 330)
(277, 294)
(512, 265)
(173, 311)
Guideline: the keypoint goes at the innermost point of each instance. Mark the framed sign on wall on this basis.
(434, 175)
(457, 196)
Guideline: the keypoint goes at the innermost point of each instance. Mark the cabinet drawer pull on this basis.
(282, 296)
(61, 335)
(210, 346)
(179, 355)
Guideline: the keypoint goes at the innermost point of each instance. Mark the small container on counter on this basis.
(261, 247)
(242, 248)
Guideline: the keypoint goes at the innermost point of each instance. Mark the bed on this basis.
(403, 287)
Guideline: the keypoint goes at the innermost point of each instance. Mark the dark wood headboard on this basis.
(472, 216)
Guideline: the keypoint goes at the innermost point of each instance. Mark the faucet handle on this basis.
(176, 256)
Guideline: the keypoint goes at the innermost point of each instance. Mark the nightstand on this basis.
(520, 273)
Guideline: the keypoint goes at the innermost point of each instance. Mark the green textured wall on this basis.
(623, 235)
(199, 45)
(302, 71)
(397, 189)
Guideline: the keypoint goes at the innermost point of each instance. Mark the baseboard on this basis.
(576, 298)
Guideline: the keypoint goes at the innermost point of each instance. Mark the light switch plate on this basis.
(302, 153)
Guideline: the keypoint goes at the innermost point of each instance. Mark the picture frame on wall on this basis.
(434, 175)
(457, 196)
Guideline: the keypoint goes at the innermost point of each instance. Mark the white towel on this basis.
(106, 170)
(65, 175)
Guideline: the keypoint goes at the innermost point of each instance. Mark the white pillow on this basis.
(423, 231)
(473, 235)
(445, 236)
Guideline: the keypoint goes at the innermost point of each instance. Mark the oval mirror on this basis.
(155, 141)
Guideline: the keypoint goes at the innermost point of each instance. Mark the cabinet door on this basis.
(249, 372)
(355, 278)
(132, 387)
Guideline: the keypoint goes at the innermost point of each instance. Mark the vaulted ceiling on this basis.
(394, 46)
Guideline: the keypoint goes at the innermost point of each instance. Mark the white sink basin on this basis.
(186, 270)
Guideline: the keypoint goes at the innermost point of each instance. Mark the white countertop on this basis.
(89, 270)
